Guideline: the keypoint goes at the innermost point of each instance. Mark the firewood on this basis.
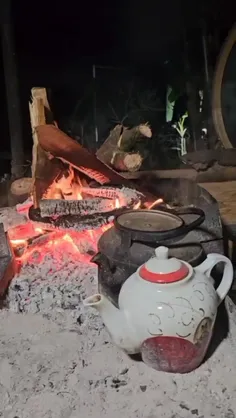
(103, 200)
(126, 161)
(122, 139)
(106, 151)
(57, 207)
(129, 137)
(73, 222)
(43, 170)
(62, 147)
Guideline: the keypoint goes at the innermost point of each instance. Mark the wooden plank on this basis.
(184, 173)
(225, 194)
(44, 170)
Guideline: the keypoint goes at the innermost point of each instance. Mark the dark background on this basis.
(57, 44)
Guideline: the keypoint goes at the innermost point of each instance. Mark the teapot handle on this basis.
(228, 274)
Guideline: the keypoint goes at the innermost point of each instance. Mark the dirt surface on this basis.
(63, 365)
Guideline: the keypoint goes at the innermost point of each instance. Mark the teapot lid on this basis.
(161, 269)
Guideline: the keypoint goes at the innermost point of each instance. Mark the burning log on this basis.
(58, 144)
(108, 199)
(125, 195)
(55, 154)
(73, 222)
(61, 146)
(56, 207)
(119, 148)
(86, 213)
(21, 246)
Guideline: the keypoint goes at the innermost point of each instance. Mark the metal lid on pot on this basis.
(161, 269)
(148, 221)
(156, 225)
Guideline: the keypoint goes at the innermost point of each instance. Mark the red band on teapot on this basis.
(171, 277)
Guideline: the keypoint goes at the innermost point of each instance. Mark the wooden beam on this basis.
(219, 174)
(44, 171)
(162, 174)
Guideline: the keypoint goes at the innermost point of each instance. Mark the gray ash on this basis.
(47, 286)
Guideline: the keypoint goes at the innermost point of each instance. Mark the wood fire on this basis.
(75, 196)
(32, 244)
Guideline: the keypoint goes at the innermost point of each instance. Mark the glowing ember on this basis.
(31, 244)
(157, 202)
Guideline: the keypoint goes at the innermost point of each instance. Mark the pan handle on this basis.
(190, 211)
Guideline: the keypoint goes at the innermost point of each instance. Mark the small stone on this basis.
(229, 414)
(143, 388)
(184, 406)
(84, 364)
(124, 371)
(117, 383)
(194, 411)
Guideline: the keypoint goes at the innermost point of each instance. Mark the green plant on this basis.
(182, 130)
(171, 97)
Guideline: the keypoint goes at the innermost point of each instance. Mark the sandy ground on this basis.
(62, 367)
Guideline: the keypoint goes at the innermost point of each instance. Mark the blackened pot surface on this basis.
(116, 264)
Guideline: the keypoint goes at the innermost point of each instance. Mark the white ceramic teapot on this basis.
(167, 311)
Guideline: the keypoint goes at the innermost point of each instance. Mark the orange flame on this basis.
(61, 242)
(18, 242)
(157, 202)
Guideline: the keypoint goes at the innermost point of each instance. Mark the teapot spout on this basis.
(100, 260)
(116, 322)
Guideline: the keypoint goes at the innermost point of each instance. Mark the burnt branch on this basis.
(125, 195)
(104, 200)
(73, 222)
(84, 214)
(58, 207)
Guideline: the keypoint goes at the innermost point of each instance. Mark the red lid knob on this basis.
(160, 269)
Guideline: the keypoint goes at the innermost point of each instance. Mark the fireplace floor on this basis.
(61, 363)
(66, 366)
(55, 272)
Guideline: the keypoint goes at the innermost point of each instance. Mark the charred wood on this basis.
(73, 222)
(106, 199)
(58, 207)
